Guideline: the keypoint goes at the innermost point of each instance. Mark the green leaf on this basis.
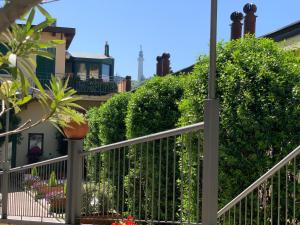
(44, 12)
(57, 42)
(24, 100)
(30, 19)
(43, 25)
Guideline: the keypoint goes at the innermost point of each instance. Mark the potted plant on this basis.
(34, 154)
(75, 128)
(57, 201)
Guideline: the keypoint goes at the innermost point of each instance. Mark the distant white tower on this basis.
(141, 66)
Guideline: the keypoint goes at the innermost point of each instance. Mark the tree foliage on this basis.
(152, 108)
(107, 125)
(258, 89)
(92, 138)
(112, 119)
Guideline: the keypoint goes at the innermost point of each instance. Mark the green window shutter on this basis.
(3, 50)
(45, 68)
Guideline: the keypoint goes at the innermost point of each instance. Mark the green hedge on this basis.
(152, 108)
(259, 90)
(107, 125)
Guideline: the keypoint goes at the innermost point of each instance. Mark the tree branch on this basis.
(27, 125)
(14, 10)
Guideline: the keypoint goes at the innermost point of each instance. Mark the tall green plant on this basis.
(152, 108)
(107, 125)
(52, 180)
(258, 89)
(34, 172)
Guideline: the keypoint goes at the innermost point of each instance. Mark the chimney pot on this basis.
(236, 26)
(250, 8)
(250, 18)
(128, 83)
(165, 64)
(106, 49)
(159, 65)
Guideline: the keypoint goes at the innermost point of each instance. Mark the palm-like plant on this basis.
(22, 44)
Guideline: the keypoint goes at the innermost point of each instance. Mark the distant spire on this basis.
(140, 65)
(106, 49)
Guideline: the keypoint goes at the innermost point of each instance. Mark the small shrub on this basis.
(52, 180)
(34, 172)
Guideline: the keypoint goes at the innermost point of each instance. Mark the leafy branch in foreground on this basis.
(21, 45)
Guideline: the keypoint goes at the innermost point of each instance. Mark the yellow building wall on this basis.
(34, 111)
(60, 57)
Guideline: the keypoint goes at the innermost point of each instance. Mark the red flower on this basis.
(131, 218)
(126, 221)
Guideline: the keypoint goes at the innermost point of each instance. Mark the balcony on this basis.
(93, 87)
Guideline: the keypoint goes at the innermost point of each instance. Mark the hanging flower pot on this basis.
(76, 131)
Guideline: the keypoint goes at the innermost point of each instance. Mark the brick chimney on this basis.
(165, 64)
(159, 66)
(236, 25)
(250, 18)
(106, 49)
(128, 83)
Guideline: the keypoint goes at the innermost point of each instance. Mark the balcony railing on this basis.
(94, 87)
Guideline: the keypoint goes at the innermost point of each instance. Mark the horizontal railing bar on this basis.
(261, 180)
(28, 222)
(167, 222)
(145, 221)
(147, 138)
(43, 163)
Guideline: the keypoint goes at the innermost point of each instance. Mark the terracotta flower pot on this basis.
(105, 219)
(58, 205)
(76, 131)
(46, 190)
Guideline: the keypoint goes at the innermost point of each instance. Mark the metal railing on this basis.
(155, 178)
(272, 199)
(37, 192)
(94, 87)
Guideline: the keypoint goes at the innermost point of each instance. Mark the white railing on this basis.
(269, 200)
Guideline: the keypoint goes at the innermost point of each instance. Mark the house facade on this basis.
(91, 75)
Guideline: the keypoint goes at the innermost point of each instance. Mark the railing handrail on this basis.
(261, 180)
(42, 163)
(147, 138)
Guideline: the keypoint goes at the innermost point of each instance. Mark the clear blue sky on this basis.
(180, 27)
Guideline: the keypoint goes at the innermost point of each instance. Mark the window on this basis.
(81, 71)
(105, 72)
(94, 71)
(35, 144)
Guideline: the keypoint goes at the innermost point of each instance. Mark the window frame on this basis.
(42, 144)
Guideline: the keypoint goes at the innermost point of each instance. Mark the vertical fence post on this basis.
(210, 162)
(211, 132)
(5, 181)
(74, 181)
